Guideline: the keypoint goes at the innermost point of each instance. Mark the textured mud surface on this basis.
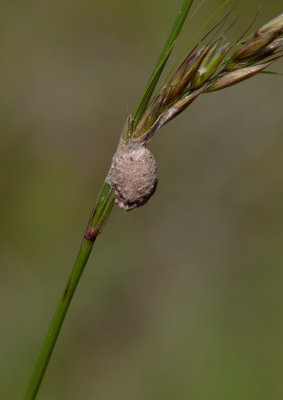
(133, 175)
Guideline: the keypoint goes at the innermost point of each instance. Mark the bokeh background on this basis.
(181, 299)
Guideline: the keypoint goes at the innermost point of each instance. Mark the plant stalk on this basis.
(97, 220)
(94, 228)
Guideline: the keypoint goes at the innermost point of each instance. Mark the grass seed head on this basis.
(265, 35)
(275, 26)
(182, 78)
(149, 117)
(210, 63)
(267, 51)
(231, 78)
(204, 71)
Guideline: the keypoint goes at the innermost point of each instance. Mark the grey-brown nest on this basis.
(133, 175)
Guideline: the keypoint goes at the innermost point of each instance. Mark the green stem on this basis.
(96, 223)
(57, 320)
(94, 228)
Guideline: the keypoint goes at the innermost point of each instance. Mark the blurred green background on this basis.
(182, 299)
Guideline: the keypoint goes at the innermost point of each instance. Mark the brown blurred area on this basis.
(181, 299)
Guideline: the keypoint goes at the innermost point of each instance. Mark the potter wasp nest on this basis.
(133, 176)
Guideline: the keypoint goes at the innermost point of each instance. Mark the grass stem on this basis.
(97, 221)
(94, 227)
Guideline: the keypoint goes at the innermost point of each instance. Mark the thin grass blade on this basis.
(193, 40)
(162, 60)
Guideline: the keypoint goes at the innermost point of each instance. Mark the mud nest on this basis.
(133, 175)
